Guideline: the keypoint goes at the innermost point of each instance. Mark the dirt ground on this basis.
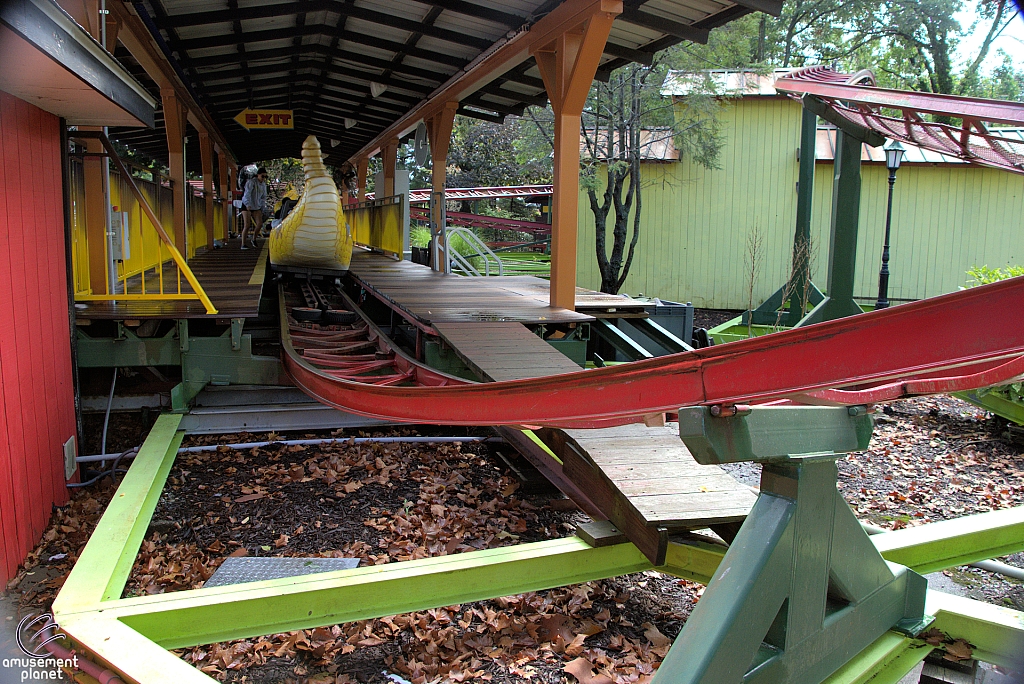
(930, 459)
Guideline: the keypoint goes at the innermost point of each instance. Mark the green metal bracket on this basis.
(620, 340)
(773, 433)
(183, 342)
(236, 333)
(802, 589)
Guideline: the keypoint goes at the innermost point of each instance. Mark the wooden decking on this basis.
(432, 297)
(504, 351)
(647, 483)
(232, 278)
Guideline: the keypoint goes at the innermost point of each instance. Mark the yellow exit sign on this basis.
(266, 119)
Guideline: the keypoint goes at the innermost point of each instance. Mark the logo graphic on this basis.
(39, 650)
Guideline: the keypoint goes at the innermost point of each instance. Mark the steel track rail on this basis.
(922, 340)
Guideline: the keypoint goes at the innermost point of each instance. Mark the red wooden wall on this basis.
(37, 413)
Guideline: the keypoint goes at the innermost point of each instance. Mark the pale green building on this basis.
(947, 215)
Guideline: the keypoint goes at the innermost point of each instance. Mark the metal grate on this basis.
(242, 570)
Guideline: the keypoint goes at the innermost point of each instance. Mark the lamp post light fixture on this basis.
(893, 156)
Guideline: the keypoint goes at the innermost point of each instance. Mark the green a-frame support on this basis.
(799, 291)
(802, 589)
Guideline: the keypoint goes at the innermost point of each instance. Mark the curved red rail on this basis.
(959, 334)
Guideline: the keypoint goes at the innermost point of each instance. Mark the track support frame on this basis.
(802, 590)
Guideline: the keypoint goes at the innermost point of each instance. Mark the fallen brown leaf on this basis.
(583, 670)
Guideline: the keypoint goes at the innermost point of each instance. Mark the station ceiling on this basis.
(327, 60)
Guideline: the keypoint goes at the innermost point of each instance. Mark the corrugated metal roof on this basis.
(320, 56)
(825, 148)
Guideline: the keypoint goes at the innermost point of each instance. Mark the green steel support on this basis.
(842, 251)
(799, 290)
(752, 625)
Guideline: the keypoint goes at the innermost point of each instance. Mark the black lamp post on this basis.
(893, 157)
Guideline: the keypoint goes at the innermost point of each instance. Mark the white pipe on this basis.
(306, 442)
(987, 565)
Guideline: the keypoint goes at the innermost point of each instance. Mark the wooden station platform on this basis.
(504, 351)
(433, 297)
(232, 277)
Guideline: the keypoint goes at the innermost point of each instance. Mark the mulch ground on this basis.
(930, 459)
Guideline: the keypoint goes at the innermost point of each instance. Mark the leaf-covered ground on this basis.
(930, 459)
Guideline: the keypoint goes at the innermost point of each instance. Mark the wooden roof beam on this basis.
(479, 12)
(512, 53)
(140, 43)
(277, 53)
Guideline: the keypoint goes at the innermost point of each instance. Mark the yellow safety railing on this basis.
(377, 223)
(132, 282)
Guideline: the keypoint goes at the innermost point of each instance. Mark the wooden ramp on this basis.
(504, 351)
(647, 483)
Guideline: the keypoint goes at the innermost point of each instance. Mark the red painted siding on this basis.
(36, 387)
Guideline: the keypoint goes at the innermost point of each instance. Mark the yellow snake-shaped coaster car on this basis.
(315, 233)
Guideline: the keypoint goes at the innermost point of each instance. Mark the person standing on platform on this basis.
(253, 199)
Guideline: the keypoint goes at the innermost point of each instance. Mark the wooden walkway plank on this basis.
(648, 484)
(522, 354)
(433, 297)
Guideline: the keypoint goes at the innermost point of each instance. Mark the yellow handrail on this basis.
(179, 260)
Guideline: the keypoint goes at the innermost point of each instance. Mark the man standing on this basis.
(253, 199)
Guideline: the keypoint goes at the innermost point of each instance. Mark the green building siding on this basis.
(693, 242)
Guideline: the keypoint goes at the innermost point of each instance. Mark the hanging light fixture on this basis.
(377, 89)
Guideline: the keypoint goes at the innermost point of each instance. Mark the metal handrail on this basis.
(463, 259)
(179, 260)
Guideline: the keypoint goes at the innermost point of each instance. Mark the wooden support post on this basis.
(174, 125)
(439, 132)
(389, 156)
(225, 191)
(96, 218)
(206, 152)
(361, 168)
(568, 64)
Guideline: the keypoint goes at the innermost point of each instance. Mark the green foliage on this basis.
(419, 237)
(983, 275)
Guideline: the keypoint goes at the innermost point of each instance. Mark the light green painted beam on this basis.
(203, 616)
(951, 543)
(886, 661)
(996, 633)
(103, 568)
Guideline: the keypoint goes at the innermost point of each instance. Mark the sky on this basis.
(1011, 40)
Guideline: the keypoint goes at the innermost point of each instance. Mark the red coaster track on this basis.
(955, 342)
